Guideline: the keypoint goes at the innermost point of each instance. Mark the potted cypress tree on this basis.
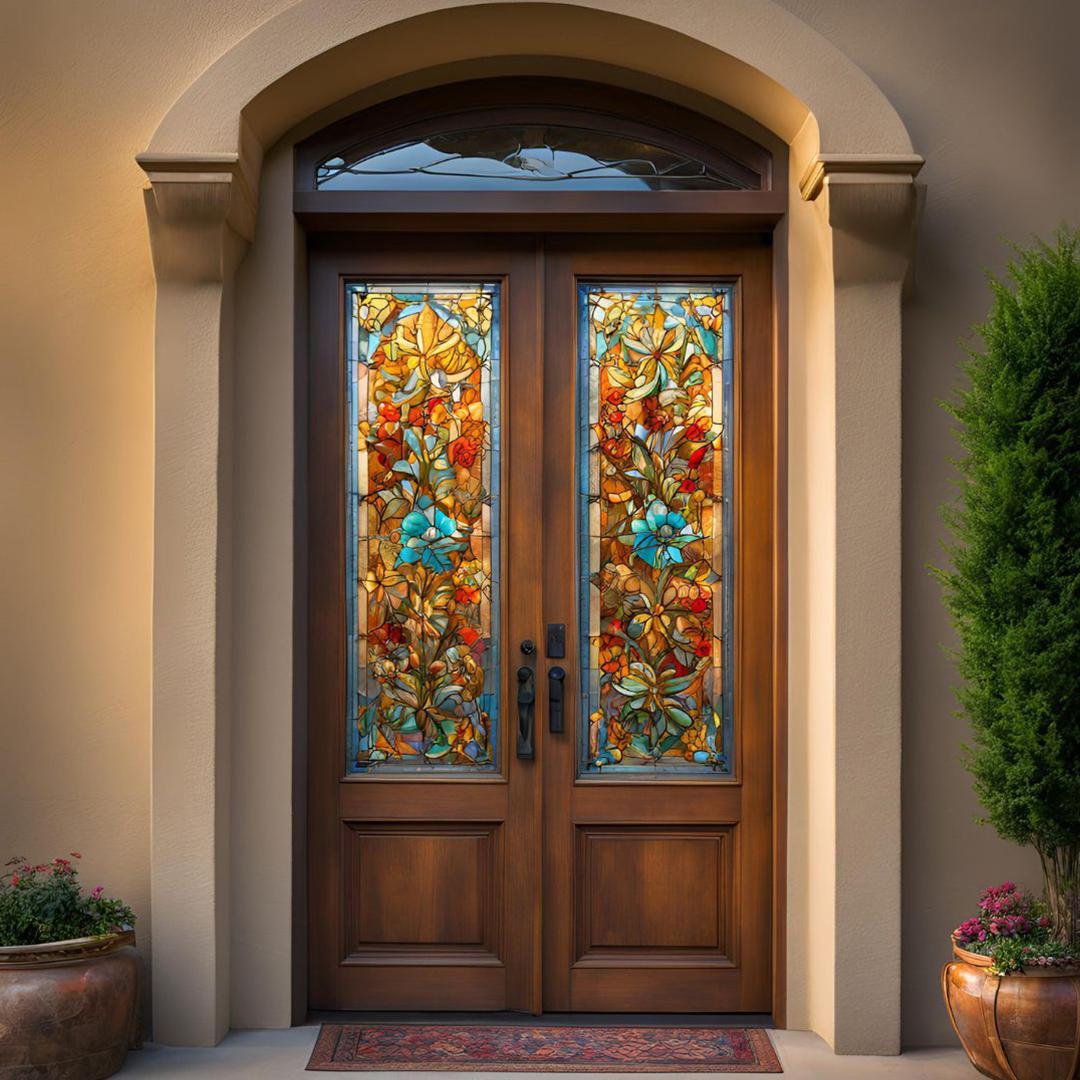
(1013, 989)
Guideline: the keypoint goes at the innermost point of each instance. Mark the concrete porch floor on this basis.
(282, 1055)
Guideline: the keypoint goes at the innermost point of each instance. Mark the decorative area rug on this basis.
(420, 1047)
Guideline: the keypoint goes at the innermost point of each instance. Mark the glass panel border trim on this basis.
(716, 757)
(442, 343)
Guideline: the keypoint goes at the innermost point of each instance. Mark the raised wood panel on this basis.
(426, 893)
(653, 891)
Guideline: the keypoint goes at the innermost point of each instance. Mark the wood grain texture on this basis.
(505, 855)
(679, 881)
(666, 969)
(422, 886)
(423, 922)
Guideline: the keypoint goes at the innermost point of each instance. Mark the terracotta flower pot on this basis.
(67, 1009)
(1021, 1026)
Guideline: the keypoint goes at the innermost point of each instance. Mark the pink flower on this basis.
(96, 892)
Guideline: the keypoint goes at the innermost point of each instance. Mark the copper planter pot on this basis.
(1021, 1026)
(67, 1009)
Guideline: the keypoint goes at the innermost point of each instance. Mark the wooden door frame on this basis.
(450, 222)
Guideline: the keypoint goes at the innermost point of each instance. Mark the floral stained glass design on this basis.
(423, 529)
(654, 416)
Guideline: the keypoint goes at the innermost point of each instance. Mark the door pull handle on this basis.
(526, 700)
(556, 677)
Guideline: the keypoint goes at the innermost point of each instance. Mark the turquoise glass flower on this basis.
(429, 537)
(661, 535)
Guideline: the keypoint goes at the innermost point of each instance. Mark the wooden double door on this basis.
(541, 539)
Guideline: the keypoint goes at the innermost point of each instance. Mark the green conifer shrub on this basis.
(1013, 590)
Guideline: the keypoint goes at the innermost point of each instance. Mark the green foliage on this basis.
(44, 903)
(1014, 587)
(1037, 949)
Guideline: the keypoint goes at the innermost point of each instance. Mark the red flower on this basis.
(671, 663)
(386, 634)
(698, 456)
(615, 448)
(15, 879)
(389, 412)
(695, 433)
(614, 416)
(469, 635)
(615, 396)
(699, 605)
(703, 648)
(687, 485)
(463, 452)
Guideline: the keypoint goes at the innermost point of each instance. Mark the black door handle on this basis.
(526, 699)
(556, 675)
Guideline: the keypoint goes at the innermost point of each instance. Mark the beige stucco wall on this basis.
(82, 88)
(982, 88)
(987, 91)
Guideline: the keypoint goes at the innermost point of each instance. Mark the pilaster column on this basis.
(871, 209)
(200, 214)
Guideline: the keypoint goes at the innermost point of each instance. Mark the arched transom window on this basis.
(551, 135)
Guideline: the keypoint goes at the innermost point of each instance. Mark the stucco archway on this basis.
(847, 237)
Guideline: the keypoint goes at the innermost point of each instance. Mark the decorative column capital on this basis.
(873, 205)
(858, 169)
(201, 211)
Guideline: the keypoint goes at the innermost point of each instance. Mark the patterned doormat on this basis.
(421, 1047)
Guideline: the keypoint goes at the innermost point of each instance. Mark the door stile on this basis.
(755, 613)
(326, 620)
(525, 539)
(560, 574)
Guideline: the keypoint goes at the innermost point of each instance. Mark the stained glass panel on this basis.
(423, 529)
(654, 423)
(512, 157)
